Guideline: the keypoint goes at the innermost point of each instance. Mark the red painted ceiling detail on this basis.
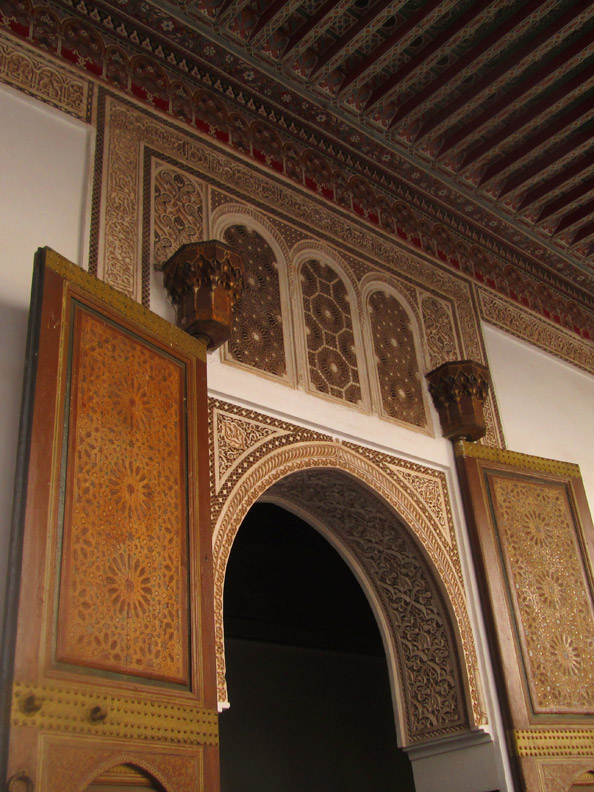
(477, 114)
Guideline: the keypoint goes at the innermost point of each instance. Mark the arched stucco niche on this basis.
(421, 609)
(394, 349)
(263, 334)
(327, 318)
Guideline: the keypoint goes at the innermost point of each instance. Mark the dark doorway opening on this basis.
(308, 682)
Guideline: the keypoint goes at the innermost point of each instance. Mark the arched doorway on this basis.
(124, 778)
(311, 706)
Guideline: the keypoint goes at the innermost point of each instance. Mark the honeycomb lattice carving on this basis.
(396, 360)
(331, 354)
(257, 339)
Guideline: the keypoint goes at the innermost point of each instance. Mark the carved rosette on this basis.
(459, 390)
(204, 281)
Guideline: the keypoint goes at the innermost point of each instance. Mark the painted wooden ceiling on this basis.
(495, 97)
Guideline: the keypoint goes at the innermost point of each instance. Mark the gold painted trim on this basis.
(462, 448)
(552, 742)
(170, 334)
(74, 710)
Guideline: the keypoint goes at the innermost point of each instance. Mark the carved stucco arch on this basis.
(420, 528)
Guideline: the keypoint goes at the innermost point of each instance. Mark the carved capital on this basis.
(204, 281)
(459, 390)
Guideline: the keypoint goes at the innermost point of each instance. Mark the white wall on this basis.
(44, 159)
(546, 405)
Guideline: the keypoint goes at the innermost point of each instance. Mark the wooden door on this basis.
(109, 651)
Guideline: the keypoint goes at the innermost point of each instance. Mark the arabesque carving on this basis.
(130, 132)
(41, 77)
(177, 209)
(73, 765)
(257, 339)
(298, 449)
(125, 541)
(440, 338)
(550, 592)
(419, 626)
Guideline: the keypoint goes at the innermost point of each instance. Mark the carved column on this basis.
(459, 390)
(204, 281)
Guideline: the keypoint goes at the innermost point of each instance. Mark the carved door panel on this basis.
(109, 657)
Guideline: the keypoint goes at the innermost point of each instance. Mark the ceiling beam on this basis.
(434, 46)
(472, 54)
(360, 30)
(499, 73)
(314, 27)
(574, 217)
(576, 142)
(229, 9)
(463, 63)
(408, 28)
(272, 17)
(551, 185)
(564, 201)
(582, 234)
(549, 105)
(529, 146)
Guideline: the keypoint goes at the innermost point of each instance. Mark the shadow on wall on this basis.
(308, 682)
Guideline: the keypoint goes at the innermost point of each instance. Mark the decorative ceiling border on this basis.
(23, 67)
(527, 326)
(169, 80)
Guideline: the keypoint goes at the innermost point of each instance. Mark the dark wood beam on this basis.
(520, 178)
(314, 26)
(552, 184)
(228, 9)
(272, 16)
(390, 42)
(529, 146)
(574, 217)
(491, 77)
(564, 93)
(452, 71)
(583, 233)
(357, 32)
(559, 204)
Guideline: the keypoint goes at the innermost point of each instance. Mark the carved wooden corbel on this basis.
(204, 281)
(459, 390)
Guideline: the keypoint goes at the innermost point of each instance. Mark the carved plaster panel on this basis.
(258, 338)
(131, 135)
(396, 361)
(419, 497)
(177, 211)
(438, 326)
(29, 71)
